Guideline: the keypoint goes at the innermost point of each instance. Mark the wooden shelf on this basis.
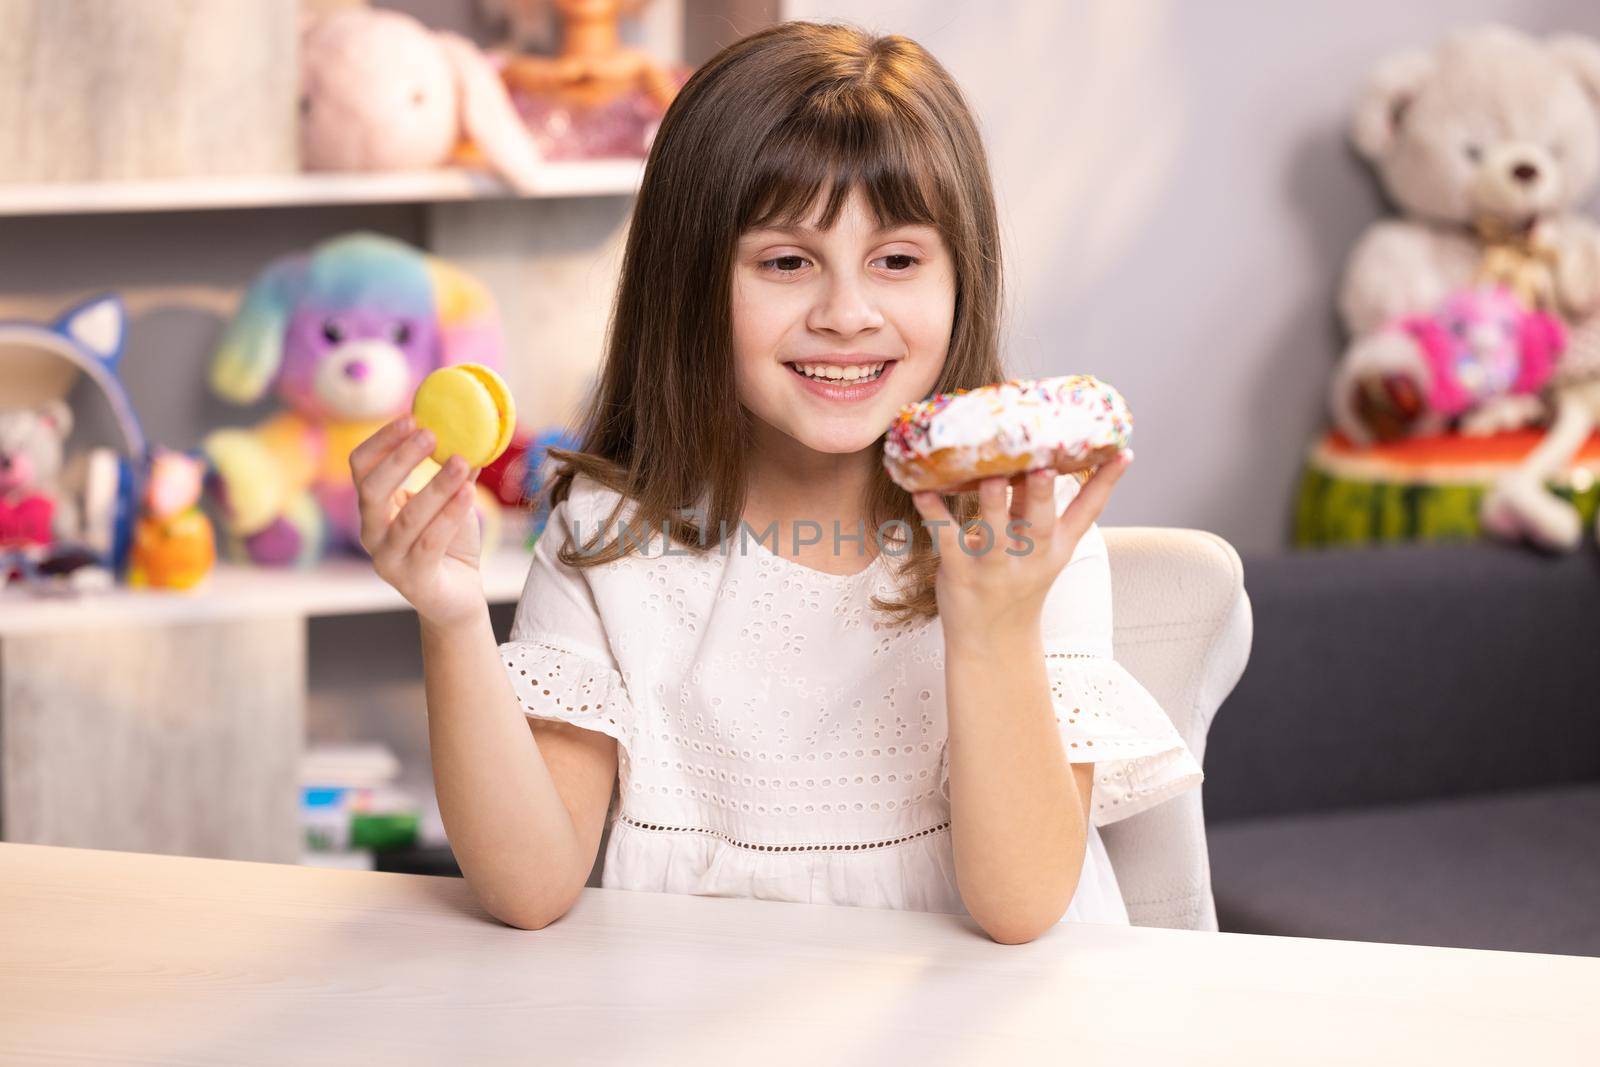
(338, 587)
(608, 177)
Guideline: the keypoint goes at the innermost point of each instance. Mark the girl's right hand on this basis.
(425, 544)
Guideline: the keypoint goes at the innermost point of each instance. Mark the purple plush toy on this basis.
(342, 335)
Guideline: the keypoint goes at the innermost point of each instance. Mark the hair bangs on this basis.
(831, 146)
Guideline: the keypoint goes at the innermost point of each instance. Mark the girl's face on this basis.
(834, 331)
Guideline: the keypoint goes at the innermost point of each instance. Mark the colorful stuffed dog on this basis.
(342, 335)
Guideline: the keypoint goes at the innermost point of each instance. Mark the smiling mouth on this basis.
(840, 376)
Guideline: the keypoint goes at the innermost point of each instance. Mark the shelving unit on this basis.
(610, 177)
(234, 591)
(174, 722)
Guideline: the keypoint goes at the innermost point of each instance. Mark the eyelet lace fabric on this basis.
(1106, 717)
(554, 680)
(778, 740)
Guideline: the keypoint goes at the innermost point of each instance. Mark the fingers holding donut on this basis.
(1033, 501)
(995, 574)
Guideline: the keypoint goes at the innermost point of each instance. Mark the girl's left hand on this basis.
(992, 585)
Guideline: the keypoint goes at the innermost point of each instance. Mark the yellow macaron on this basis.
(470, 411)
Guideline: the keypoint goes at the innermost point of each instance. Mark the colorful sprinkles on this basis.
(1077, 412)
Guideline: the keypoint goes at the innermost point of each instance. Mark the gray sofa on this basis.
(1413, 752)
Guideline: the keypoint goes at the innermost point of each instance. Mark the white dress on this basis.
(776, 741)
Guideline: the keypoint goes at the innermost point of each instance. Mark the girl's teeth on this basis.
(829, 372)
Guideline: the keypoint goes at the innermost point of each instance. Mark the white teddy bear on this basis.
(1487, 144)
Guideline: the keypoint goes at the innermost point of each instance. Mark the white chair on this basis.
(1181, 625)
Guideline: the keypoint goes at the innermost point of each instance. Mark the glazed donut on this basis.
(949, 442)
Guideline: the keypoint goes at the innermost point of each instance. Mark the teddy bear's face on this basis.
(30, 448)
(355, 364)
(1493, 126)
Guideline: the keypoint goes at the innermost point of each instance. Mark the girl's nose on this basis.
(845, 307)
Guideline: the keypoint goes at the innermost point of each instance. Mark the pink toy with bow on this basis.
(1482, 344)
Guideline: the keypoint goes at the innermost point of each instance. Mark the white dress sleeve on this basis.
(558, 657)
(1103, 714)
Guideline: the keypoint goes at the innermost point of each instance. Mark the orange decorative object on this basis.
(172, 553)
(174, 544)
(592, 67)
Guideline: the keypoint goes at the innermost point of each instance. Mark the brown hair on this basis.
(751, 140)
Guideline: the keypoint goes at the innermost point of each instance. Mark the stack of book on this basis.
(353, 807)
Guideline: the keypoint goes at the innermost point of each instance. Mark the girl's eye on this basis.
(900, 261)
(783, 264)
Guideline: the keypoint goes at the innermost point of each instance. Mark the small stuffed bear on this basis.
(380, 91)
(1487, 145)
(34, 512)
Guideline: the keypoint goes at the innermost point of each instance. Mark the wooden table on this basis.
(119, 957)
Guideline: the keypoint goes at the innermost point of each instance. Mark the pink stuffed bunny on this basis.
(380, 91)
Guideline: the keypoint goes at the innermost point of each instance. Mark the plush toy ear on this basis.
(247, 360)
(1390, 89)
(100, 326)
(487, 115)
(469, 321)
(1580, 55)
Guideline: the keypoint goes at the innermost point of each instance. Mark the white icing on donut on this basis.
(1074, 412)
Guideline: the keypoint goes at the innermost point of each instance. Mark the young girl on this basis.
(802, 683)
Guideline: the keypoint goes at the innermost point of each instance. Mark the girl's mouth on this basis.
(819, 382)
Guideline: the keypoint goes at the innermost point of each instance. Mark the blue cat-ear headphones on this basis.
(91, 338)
